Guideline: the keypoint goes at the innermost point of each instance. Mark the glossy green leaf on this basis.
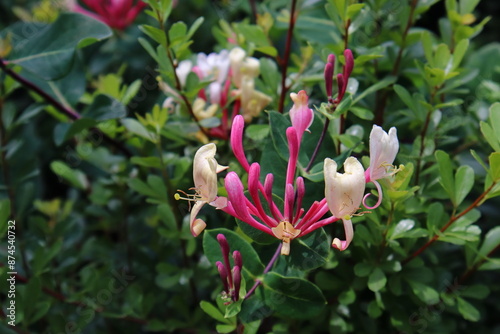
(424, 292)
(377, 280)
(213, 311)
(310, 251)
(491, 242)
(467, 310)
(75, 177)
(251, 261)
(49, 53)
(446, 173)
(137, 128)
(292, 296)
(105, 107)
(464, 180)
(494, 160)
(388, 80)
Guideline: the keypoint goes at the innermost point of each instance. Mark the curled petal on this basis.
(349, 233)
(379, 190)
(196, 225)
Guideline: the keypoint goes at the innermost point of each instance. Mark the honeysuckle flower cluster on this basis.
(233, 76)
(344, 192)
(117, 14)
(231, 278)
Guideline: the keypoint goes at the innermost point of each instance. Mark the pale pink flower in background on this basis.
(213, 66)
(344, 193)
(383, 149)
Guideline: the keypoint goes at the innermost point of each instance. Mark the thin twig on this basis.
(266, 270)
(318, 145)
(286, 56)
(453, 219)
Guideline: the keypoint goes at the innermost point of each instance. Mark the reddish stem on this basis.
(286, 56)
(448, 224)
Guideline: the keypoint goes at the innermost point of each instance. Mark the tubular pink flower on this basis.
(237, 141)
(328, 74)
(293, 147)
(300, 114)
(223, 275)
(240, 203)
(237, 282)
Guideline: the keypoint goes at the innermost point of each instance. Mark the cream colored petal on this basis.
(196, 225)
(349, 234)
(344, 192)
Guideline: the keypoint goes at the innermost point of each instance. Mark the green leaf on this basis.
(66, 131)
(424, 292)
(491, 242)
(75, 177)
(251, 261)
(494, 160)
(401, 228)
(376, 87)
(213, 311)
(490, 135)
(363, 269)
(374, 310)
(279, 123)
(49, 53)
(221, 328)
(156, 34)
(153, 162)
(310, 251)
(446, 173)
(137, 128)
(105, 107)
(347, 297)
(292, 296)
(405, 96)
(464, 180)
(377, 280)
(467, 310)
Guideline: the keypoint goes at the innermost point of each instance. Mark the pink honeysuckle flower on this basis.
(205, 169)
(293, 221)
(117, 14)
(344, 193)
(383, 149)
(300, 114)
